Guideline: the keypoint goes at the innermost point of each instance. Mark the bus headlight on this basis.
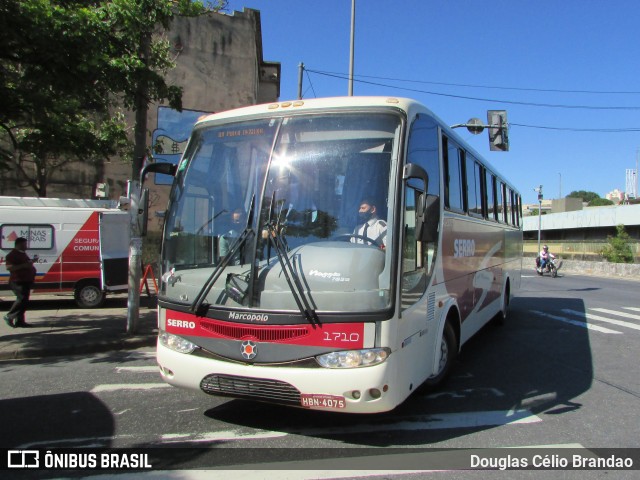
(353, 358)
(176, 343)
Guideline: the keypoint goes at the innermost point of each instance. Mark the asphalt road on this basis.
(562, 371)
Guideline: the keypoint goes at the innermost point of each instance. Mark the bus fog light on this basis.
(356, 394)
(353, 358)
(375, 393)
(176, 343)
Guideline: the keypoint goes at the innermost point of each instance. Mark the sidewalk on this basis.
(59, 327)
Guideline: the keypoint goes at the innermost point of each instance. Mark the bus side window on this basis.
(418, 257)
(491, 196)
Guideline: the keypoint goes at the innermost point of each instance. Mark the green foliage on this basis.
(64, 67)
(584, 195)
(600, 202)
(618, 250)
(535, 212)
(192, 8)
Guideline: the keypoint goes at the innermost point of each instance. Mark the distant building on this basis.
(594, 223)
(532, 208)
(566, 204)
(616, 196)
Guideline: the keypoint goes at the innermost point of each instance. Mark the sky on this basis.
(566, 72)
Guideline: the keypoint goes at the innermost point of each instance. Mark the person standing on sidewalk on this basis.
(22, 274)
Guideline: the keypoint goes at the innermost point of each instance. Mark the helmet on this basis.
(545, 247)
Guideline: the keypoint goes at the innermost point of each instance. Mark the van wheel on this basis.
(88, 295)
(448, 354)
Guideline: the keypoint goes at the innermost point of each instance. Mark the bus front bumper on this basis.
(349, 390)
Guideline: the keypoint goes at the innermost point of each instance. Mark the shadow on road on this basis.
(530, 367)
(55, 420)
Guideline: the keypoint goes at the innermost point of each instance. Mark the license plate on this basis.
(313, 400)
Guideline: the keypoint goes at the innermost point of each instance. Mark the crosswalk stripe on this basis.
(591, 316)
(635, 309)
(114, 387)
(616, 312)
(153, 369)
(577, 323)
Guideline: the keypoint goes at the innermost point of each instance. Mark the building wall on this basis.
(219, 65)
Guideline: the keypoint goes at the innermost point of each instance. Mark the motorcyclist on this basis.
(545, 257)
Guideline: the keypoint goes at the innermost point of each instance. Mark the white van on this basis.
(80, 246)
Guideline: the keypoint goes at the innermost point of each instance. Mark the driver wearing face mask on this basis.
(371, 230)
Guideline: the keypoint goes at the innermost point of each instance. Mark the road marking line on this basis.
(114, 387)
(223, 436)
(591, 316)
(142, 355)
(439, 421)
(635, 309)
(590, 326)
(615, 312)
(154, 369)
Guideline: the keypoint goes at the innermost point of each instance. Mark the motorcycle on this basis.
(552, 266)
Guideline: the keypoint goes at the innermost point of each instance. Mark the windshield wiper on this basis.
(196, 306)
(290, 274)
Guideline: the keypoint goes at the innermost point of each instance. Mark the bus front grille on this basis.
(263, 333)
(251, 388)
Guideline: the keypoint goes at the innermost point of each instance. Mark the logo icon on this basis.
(23, 459)
(249, 349)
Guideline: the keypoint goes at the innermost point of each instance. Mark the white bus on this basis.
(272, 292)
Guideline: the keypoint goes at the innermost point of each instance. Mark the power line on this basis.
(480, 99)
(310, 84)
(492, 87)
(573, 129)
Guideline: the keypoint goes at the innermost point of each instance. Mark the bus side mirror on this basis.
(160, 167)
(427, 216)
(427, 213)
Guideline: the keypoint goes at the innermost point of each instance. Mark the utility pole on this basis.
(139, 153)
(539, 190)
(300, 72)
(352, 45)
(560, 187)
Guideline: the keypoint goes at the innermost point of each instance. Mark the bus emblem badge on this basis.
(249, 349)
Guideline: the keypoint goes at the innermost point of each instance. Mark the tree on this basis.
(53, 104)
(584, 195)
(600, 202)
(65, 66)
(618, 249)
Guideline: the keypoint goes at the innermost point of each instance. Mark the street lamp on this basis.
(539, 190)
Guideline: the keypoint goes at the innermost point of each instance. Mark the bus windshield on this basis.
(268, 213)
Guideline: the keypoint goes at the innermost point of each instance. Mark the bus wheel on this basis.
(501, 317)
(88, 295)
(448, 354)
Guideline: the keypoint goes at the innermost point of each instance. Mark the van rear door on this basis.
(114, 250)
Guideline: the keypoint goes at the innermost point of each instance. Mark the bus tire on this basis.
(501, 317)
(449, 352)
(88, 294)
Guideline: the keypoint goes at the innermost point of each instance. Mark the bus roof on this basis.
(405, 104)
(408, 105)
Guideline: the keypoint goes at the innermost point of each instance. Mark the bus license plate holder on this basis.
(322, 401)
